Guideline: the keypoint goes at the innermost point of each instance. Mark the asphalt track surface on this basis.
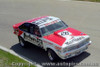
(84, 16)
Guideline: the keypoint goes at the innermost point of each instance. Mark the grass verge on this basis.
(9, 60)
(90, 0)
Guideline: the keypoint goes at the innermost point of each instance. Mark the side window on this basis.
(37, 31)
(25, 27)
(32, 27)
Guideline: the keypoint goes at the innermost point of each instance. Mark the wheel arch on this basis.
(50, 48)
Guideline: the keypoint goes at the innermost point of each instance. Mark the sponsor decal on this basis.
(33, 39)
(28, 37)
(55, 21)
(42, 20)
(50, 23)
(74, 39)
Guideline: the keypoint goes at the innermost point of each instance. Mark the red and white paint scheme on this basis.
(53, 35)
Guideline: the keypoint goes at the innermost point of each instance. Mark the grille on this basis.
(79, 45)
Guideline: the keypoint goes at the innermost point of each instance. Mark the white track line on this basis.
(20, 56)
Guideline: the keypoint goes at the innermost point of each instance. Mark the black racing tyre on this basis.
(52, 55)
(22, 42)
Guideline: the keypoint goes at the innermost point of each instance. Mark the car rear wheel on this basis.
(52, 55)
(22, 42)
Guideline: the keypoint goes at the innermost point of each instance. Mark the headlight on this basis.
(88, 39)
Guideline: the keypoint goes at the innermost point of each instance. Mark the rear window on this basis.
(25, 27)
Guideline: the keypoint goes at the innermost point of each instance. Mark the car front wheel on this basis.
(52, 55)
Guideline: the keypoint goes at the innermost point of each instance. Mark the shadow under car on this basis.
(38, 55)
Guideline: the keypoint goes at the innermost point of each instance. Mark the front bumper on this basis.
(75, 52)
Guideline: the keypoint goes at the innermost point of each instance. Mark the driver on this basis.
(36, 31)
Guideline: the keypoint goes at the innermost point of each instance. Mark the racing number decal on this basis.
(64, 33)
(33, 39)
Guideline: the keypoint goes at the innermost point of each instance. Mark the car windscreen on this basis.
(53, 27)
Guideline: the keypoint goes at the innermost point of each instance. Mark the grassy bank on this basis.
(91, 0)
(9, 60)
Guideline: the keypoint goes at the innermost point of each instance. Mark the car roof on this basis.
(40, 21)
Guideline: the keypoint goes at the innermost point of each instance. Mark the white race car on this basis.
(53, 35)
